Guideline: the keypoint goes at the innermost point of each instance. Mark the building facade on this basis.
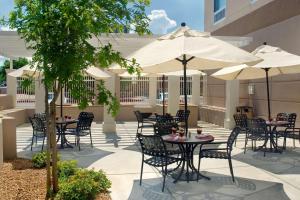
(276, 22)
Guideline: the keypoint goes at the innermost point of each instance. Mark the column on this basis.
(39, 96)
(173, 94)
(12, 88)
(205, 90)
(109, 123)
(152, 90)
(11, 64)
(195, 89)
(232, 101)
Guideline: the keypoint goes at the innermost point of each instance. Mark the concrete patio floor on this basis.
(276, 176)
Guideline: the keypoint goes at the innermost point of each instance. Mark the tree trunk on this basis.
(53, 139)
(48, 166)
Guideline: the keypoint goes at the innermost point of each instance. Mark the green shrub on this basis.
(39, 160)
(83, 185)
(66, 168)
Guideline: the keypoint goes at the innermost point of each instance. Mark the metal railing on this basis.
(134, 90)
(25, 95)
(91, 86)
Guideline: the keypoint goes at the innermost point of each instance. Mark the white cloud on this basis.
(160, 23)
(6, 28)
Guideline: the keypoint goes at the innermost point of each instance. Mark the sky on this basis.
(165, 15)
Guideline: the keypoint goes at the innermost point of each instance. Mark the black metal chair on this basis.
(220, 152)
(241, 122)
(257, 131)
(290, 130)
(142, 122)
(154, 153)
(180, 117)
(38, 130)
(162, 129)
(167, 118)
(42, 116)
(83, 128)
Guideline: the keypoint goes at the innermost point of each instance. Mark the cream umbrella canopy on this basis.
(186, 48)
(31, 71)
(275, 61)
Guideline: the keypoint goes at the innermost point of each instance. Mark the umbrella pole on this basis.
(268, 93)
(61, 102)
(163, 89)
(185, 94)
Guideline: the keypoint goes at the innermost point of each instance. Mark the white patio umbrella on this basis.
(185, 48)
(275, 61)
(189, 72)
(31, 71)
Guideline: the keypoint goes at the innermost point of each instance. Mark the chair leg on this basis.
(142, 168)
(78, 142)
(231, 169)
(91, 139)
(246, 141)
(164, 179)
(43, 143)
(32, 142)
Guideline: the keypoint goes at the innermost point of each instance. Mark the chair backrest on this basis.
(163, 128)
(138, 116)
(164, 118)
(282, 117)
(85, 120)
(42, 116)
(152, 145)
(182, 115)
(232, 137)
(38, 124)
(257, 127)
(240, 120)
(292, 120)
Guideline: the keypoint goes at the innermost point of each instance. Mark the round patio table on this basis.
(187, 171)
(61, 125)
(272, 130)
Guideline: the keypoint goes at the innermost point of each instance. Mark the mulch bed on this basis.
(20, 181)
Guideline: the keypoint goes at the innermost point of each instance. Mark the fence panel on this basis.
(25, 95)
(134, 90)
(159, 91)
(90, 84)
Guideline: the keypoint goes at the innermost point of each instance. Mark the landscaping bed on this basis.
(19, 180)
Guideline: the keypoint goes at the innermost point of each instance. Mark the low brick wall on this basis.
(214, 115)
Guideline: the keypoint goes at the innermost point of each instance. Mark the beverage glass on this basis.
(199, 131)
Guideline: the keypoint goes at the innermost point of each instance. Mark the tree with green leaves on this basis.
(59, 32)
(20, 62)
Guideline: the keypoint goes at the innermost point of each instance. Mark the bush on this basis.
(39, 160)
(83, 185)
(66, 168)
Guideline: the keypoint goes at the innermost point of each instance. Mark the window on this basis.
(253, 1)
(219, 10)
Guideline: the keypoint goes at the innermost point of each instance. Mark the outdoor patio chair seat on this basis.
(38, 130)
(290, 130)
(142, 122)
(161, 161)
(83, 127)
(241, 122)
(256, 131)
(154, 153)
(219, 152)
